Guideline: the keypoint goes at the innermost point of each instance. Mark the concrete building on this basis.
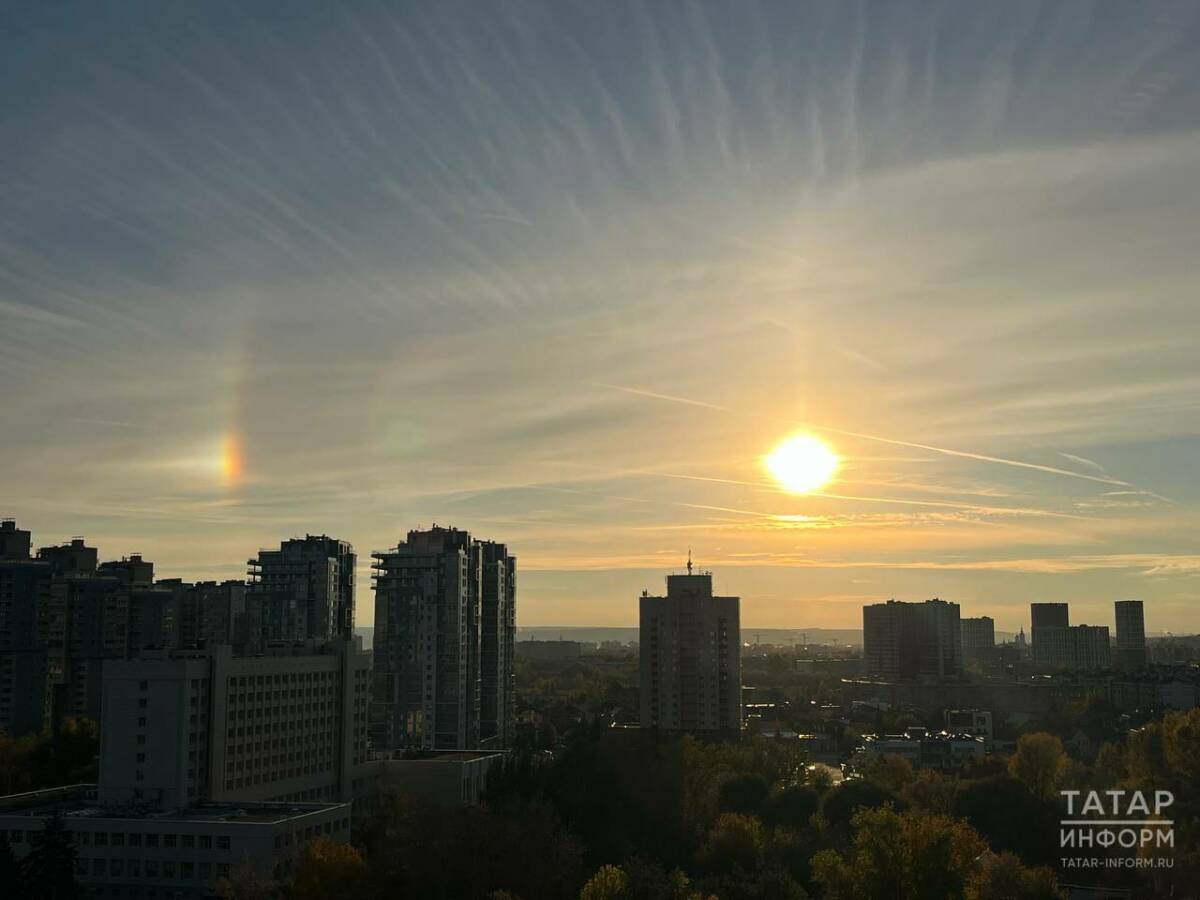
(690, 651)
(1131, 634)
(904, 641)
(944, 751)
(497, 634)
(305, 589)
(1045, 620)
(1091, 647)
(15, 543)
(24, 593)
(445, 778)
(72, 558)
(137, 851)
(444, 626)
(185, 726)
(1059, 645)
(978, 641)
(224, 612)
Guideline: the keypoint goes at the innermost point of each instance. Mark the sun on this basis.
(802, 463)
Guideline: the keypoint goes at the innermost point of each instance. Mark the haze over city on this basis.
(570, 276)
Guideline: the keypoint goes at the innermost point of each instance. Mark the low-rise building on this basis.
(139, 851)
(446, 778)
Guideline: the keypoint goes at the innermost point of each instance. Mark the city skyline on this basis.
(568, 275)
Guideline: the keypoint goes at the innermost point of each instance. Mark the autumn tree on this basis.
(1001, 876)
(328, 870)
(901, 856)
(609, 883)
(1038, 763)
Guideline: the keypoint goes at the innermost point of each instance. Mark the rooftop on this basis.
(79, 802)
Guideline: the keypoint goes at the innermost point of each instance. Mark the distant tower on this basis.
(691, 671)
(1131, 634)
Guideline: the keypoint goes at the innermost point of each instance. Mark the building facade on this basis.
(445, 607)
(690, 647)
(1131, 634)
(978, 640)
(903, 641)
(1046, 623)
(136, 851)
(192, 726)
(305, 589)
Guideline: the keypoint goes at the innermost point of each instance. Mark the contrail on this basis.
(970, 507)
(963, 454)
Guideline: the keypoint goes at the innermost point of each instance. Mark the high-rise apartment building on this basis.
(1131, 634)
(978, 640)
(438, 594)
(184, 726)
(1045, 621)
(15, 543)
(497, 634)
(912, 640)
(225, 612)
(690, 646)
(24, 593)
(305, 589)
(1059, 645)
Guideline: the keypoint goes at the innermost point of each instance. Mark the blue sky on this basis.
(562, 273)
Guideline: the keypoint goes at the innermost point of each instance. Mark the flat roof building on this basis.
(136, 851)
(690, 652)
(189, 726)
(903, 641)
(1131, 634)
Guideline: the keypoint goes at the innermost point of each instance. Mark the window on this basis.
(151, 841)
(205, 842)
(189, 841)
(187, 870)
(223, 842)
(118, 840)
(168, 868)
(222, 870)
(101, 838)
(99, 866)
(135, 839)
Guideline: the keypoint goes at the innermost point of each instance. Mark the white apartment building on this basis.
(189, 726)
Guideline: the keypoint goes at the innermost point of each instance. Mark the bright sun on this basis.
(802, 463)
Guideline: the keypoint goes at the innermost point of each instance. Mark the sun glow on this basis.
(802, 463)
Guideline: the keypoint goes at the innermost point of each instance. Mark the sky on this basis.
(563, 273)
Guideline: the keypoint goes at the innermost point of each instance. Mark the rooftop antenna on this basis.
(689, 560)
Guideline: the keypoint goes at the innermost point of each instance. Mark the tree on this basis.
(1003, 877)
(840, 803)
(48, 870)
(1038, 763)
(734, 841)
(889, 771)
(1007, 814)
(744, 794)
(901, 856)
(792, 807)
(609, 883)
(326, 870)
(1181, 743)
